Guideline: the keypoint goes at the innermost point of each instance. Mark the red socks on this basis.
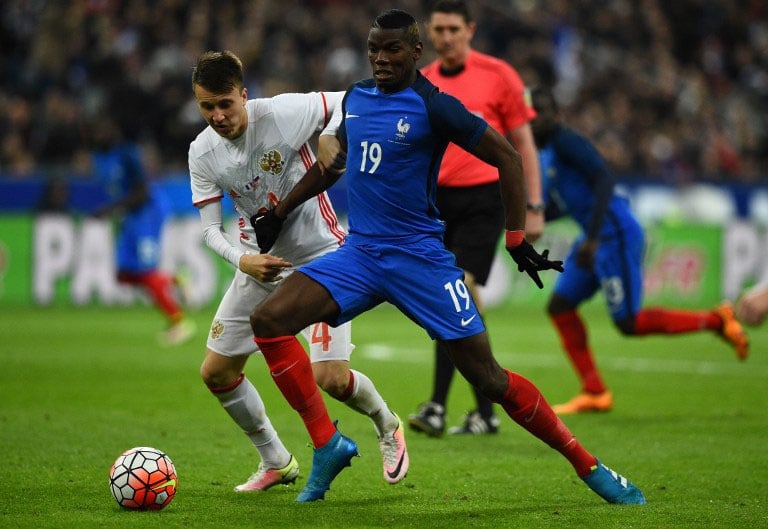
(666, 321)
(159, 286)
(525, 404)
(291, 370)
(573, 337)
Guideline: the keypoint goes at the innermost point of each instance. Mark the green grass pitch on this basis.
(80, 385)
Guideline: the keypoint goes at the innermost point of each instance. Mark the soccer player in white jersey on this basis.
(255, 151)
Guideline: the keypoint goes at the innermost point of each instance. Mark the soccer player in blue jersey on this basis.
(141, 216)
(394, 130)
(607, 255)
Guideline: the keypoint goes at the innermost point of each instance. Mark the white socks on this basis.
(366, 400)
(246, 408)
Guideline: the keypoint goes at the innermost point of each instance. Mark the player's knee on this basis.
(257, 322)
(215, 376)
(263, 323)
(332, 382)
(211, 377)
(492, 385)
(558, 305)
(334, 389)
(492, 390)
(626, 326)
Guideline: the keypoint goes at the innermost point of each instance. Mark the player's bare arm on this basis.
(311, 184)
(585, 255)
(522, 139)
(330, 157)
(267, 226)
(495, 150)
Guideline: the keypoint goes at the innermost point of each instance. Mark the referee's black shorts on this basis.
(474, 220)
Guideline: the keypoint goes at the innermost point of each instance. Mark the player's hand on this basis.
(267, 226)
(264, 267)
(529, 260)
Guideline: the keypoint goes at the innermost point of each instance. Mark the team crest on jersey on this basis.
(402, 128)
(272, 162)
(217, 329)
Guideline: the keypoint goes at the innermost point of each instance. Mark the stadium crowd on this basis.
(672, 91)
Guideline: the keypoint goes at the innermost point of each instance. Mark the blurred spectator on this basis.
(675, 91)
(16, 159)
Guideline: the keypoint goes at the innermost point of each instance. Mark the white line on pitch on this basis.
(634, 364)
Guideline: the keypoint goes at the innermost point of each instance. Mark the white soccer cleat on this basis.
(394, 454)
(265, 478)
(178, 333)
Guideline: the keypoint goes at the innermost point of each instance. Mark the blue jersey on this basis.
(392, 168)
(394, 251)
(576, 179)
(119, 171)
(573, 176)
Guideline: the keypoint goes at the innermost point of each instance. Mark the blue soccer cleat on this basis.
(327, 462)
(613, 487)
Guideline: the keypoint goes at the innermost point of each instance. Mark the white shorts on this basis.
(231, 333)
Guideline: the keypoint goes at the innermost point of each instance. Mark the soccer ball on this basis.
(143, 478)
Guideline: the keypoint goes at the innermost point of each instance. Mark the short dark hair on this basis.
(218, 72)
(458, 7)
(399, 19)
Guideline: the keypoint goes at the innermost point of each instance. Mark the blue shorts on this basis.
(419, 278)
(138, 241)
(618, 271)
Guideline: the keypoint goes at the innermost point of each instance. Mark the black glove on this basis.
(267, 226)
(528, 260)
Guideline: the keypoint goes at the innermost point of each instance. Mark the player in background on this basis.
(393, 131)
(141, 216)
(607, 255)
(468, 191)
(752, 306)
(255, 151)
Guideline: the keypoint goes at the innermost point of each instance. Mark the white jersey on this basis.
(260, 167)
